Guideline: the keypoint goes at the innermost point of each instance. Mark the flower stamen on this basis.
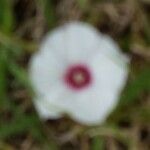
(78, 76)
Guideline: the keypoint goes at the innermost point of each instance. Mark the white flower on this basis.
(78, 72)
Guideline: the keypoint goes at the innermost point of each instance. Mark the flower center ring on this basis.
(78, 76)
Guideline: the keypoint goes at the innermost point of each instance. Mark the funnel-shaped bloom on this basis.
(78, 71)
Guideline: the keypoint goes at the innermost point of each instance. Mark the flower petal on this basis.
(108, 74)
(73, 42)
(45, 71)
(45, 110)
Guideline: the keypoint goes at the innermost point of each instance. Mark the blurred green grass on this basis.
(18, 119)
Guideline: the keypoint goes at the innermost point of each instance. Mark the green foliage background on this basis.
(23, 23)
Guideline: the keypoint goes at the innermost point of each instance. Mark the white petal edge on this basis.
(76, 41)
(45, 110)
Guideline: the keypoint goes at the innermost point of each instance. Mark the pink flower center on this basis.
(78, 76)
